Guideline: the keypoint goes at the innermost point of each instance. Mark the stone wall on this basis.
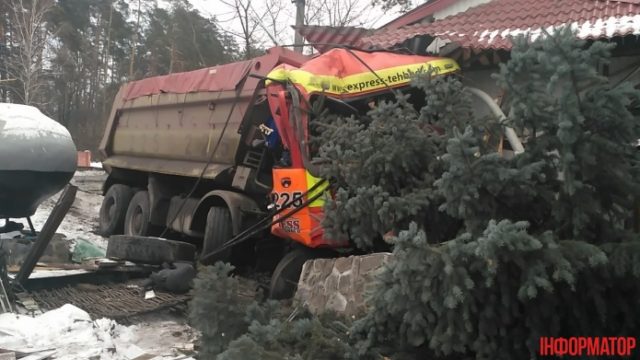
(338, 284)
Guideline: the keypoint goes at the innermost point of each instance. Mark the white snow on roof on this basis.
(627, 25)
(597, 29)
(27, 122)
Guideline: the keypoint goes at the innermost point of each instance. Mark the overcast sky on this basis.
(372, 17)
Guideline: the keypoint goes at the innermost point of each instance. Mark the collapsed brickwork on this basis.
(338, 285)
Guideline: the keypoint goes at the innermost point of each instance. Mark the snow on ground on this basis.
(81, 221)
(158, 333)
(71, 332)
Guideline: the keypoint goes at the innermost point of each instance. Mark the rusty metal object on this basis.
(46, 234)
(115, 301)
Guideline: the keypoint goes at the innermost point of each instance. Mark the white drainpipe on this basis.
(510, 134)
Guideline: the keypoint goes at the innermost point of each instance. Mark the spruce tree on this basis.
(586, 124)
(544, 250)
(383, 165)
(235, 327)
(215, 309)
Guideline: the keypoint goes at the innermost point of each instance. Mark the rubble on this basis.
(49, 228)
(17, 245)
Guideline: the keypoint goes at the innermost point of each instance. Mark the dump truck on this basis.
(221, 157)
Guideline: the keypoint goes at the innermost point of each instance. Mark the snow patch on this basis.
(80, 222)
(27, 122)
(68, 329)
(71, 332)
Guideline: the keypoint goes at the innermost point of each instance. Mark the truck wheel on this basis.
(217, 231)
(149, 250)
(284, 280)
(136, 222)
(114, 209)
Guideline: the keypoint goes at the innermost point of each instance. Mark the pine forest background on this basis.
(69, 57)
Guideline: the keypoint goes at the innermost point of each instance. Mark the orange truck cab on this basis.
(343, 76)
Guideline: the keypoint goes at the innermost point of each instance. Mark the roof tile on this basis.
(493, 24)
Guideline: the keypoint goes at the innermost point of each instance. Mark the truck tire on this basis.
(217, 231)
(149, 250)
(114, 209)
(284, 280)
(136, 222)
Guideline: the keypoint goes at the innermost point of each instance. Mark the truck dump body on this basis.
(170, 124)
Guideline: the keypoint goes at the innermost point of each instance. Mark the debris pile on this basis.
(69, 333)
(72, 302)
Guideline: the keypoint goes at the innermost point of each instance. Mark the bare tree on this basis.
(272, 20)
(338, 13)
(268, 22)
(245, 16)
(27, 60)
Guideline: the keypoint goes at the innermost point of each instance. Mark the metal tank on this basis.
(37, 159)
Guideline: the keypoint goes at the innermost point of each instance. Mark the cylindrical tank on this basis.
(37, 159)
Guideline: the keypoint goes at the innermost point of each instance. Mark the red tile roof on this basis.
(492, 24)
(325, 36)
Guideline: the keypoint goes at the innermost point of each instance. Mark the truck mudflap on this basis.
(291, 189)
(238, 204)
